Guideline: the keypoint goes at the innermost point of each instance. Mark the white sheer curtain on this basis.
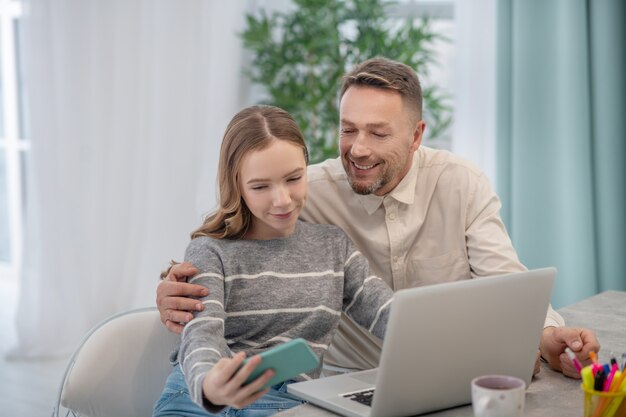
(474, 130)
(128, 101)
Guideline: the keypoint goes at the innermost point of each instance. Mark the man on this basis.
(421, 216)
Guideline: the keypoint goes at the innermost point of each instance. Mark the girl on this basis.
(271, 277)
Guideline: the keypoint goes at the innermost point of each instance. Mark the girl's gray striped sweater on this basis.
(266, 292)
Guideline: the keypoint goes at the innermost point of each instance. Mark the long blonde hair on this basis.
(253, 128)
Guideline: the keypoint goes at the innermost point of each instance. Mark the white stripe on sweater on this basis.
(204, 349)
(200, 320)
(279, 338)
(243, 342)
(200, 364)
(273, 274)
(213, 302)
(287, 339)
(198, 386)
(283, 310)
(206, 275)
(354, 255)
(358, 292)
(378, 314)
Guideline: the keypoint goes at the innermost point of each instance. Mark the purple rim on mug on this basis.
(498, 382)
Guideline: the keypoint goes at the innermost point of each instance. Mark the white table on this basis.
(550, 393)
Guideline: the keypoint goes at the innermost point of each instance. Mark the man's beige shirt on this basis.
(440, 224)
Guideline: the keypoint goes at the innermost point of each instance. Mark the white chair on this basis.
(119, 369)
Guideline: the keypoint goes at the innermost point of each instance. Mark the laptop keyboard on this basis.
(363, 397)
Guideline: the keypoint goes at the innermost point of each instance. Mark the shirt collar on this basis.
(403, 193)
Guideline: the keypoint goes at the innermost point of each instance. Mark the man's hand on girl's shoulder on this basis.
(174, 296)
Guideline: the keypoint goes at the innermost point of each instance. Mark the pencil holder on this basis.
(604, 404)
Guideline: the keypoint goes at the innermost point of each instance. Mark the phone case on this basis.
(287, 360)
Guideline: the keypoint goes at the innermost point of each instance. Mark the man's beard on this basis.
(371, 188)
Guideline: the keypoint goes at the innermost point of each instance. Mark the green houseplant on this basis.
(300, 55)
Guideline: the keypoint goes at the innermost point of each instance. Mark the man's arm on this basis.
(174, 297)
(491, 252)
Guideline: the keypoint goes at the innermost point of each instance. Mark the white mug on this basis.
(498, 396)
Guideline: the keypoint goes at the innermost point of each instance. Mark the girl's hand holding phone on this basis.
(224, 383)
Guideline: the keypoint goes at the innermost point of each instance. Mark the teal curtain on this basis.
(561, 137)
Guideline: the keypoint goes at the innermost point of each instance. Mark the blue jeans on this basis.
(176, 401)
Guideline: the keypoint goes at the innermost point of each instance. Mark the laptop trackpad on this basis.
(369, 377)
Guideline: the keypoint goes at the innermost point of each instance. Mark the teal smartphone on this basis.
(287, 360)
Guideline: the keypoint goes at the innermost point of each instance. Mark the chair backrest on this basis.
(120, 368)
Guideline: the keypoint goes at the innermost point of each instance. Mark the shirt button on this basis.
(392, 216)
(395, 259)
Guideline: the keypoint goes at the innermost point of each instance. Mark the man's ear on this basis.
(418, 134)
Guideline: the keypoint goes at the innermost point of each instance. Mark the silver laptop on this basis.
(440, 337)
